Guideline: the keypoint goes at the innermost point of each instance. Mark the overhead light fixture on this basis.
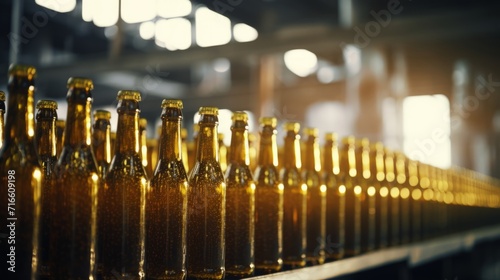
(133, 11)
(212, 29)
(173, 34)
(244, 33)
(60, 6)
(147, 30)
(173, 8)
(105, 12)
(301, 62)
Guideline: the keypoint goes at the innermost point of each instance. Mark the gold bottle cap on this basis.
(75, 82)
(102, 114)
(311, 131)
(331, 136)
(184, 133)
(46, 104)
(22, 70)
(129, 95)
(240, 116)
(271, 121)
(209, 111)
(143, 122)
(172, 103)
(292, 126)
(349, 140)
(2, 96)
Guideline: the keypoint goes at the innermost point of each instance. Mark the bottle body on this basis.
(352, 198)
(368, 209)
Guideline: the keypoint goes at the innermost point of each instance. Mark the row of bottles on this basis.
(87, 205)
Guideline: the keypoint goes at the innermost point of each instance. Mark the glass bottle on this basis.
(335, 199)
(223, 153)
(294, 200)
(20, 178)
(46, 143)
(352, 197)
(394, 201)
(316, 199)
(76, 189)
(166, 202)
(124, 195)
(416, 202)
(206, 204)
(60, 124)
(404, 197)
(368, 192)
(143, 124)
(2, 121)
(101, 141)
(184, 148)
(377, 168)
(240, 202)
(268, 201)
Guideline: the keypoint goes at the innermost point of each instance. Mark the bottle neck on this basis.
(46, 132)
(170, 139)
(208, 145)
(20, 122)
(78, 123)
(363, 162)
(292, 151)
(312, 157)
(268, 153)
(102, 140)
(348, 161)
(239, 152)
(127, 133)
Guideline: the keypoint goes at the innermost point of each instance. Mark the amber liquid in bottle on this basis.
(268, 202)
(240, 202)
(20, 178)
(404, 197)
(352, 198)
(76, 189)
(294, 201)
(124, 197)
(368, 191)
(46, 143)
(2, 121)
(394, 199)
(415, 202)
(184, 149)
(316, 199)
(377, 167)
(101, 141)
(335, 199)
(206, 204)
(166, 202)
(143, 151)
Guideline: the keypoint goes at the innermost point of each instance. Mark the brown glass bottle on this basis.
(335, 199)
(368, 192)
(316, 199)
(206, 204)
(240, 202)
(76, 189)
(46, 143)
(416, 202)
(124, 195)
(166, 202)
(377, 168)
(404, 197)
(143, 124)
(2, 121)
(268, 202)
(101, 141)
(60, 124)
(393, 208)
(352, 197)
(184, 148)
(294, 200)
(20, 178)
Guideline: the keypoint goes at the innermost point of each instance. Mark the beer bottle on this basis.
(368, 192)
(113, 143)
(153, 150)
(76, 190)
(415, 202)
(223, 152)
(404, 197)
(60, 124)
(206, 204)
(427, 194)
(143, 124)
(46, 143)
(294, 200)
(240, 202)
(2, 112)
(101, 141)
(184, 149)
(252, 150)
(316, 199)
(377, 168)
(124, 195)
(268, 201)
(166, 202)
(335, 199)
(393, 203)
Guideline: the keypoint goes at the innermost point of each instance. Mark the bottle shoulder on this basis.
(207, 171)
(125, 166)
(169, 172)
(19, 156)
(238, 175)
(77, 160)
(267, 176)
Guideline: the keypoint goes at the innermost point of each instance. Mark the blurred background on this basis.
(421, 76)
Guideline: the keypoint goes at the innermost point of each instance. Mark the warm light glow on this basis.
(371, 191)
(173, 8)
(212, 29)
(60, 6)
(303, 187)
(105, 12)
(405, 193)
(342, 189)
(244, 33)
(252, 187)
(222, 65)
(147, 30)
(301, 62)
(357, 190)
(174, 34)
(37, 174)
(416, 194)
(133, 11)
(394, 192)
(281, 187)
(384, 191)
(448, 198)
(322, 188)
(428, 194)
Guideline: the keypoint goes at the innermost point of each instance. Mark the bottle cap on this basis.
(209, 111)
(311, 131)
(240, 116)
(75, 82)
(271, 121)
(46, 104)
(143, 122)
(331, 136)
(22, 70)
(172, 103)
(349, 140)
(292, 126)
(2, 96)
(102, 114)
(129, 95)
